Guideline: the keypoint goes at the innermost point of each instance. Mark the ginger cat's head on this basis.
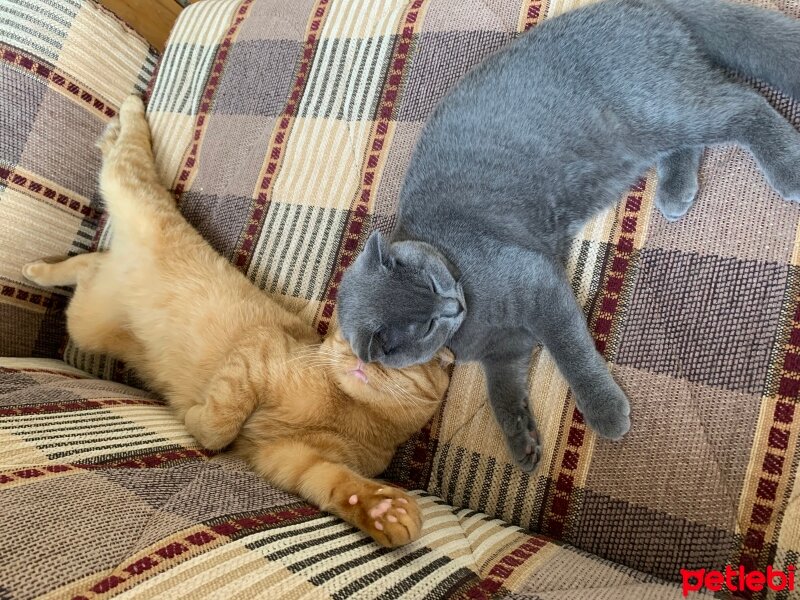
(422, 386)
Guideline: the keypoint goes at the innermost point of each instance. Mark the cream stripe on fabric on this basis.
(187, 62)
(317, 141)
(42, 364)
(38, 27)
(295, 228)
(165, 585)
(114, 73)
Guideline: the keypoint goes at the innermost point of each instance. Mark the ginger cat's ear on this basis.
(446, 357)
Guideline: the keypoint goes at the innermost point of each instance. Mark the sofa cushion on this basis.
(285, 128)
(64, 67)
(103, 493)
(295, 150)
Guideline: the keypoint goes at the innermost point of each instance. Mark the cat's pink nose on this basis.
(359, 372)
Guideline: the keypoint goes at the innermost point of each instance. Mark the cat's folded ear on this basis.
(377, 251)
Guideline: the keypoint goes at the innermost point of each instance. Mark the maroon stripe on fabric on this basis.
(354, 227)
(240, 526)
(152, 460)
(489, 586)
(149, 460)
(49, 300)
(151, 84)
(420, 461)
(188, 544)
(245, 247)
(777, 464)
(34, 473)
(62, 407)
(53, 76)
(534, 13)
(605, 315)
(27, 184)
(190, 161)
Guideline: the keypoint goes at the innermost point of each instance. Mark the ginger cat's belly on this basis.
(188, 324)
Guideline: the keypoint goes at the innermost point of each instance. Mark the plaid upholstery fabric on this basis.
(286, 127)
(64, 67)
(293, 149)
(105, 495)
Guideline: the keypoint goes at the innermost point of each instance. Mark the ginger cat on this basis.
(237, 367)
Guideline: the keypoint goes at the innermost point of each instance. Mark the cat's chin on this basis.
(357, 387)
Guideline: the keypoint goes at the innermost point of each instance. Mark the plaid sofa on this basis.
(284, 127)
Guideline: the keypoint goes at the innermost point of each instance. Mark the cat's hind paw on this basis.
(386, 513)
(108, 139)
(33, 270)
(40, 272)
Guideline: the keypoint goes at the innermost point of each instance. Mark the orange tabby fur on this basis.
(237, 367)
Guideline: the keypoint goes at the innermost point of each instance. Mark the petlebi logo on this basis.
(737, 580)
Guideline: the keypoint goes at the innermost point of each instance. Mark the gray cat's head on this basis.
(399, 303)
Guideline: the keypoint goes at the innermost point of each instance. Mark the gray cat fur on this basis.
(524, 150)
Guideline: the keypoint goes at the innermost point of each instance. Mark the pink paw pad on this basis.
(378, 525)
(380, 509)
(353, 500)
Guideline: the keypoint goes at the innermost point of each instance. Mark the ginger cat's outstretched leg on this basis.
(386, 513)
(140, 206)
(64, 272)
(92, 320)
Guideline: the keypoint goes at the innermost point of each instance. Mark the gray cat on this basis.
(524, 150)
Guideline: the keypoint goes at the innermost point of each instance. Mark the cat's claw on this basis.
(389, 515)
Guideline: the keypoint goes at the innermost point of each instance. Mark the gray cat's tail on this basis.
(755, 42)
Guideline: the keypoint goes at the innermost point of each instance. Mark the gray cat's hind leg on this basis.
(744, 117)
(677, 182)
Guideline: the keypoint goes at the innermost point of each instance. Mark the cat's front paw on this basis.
(522, 437)
(607, 411)
(387, 514)
(209, 432)
(524, 444)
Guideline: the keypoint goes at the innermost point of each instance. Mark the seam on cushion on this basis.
(692, 398)
(513, 32)
(124, 24)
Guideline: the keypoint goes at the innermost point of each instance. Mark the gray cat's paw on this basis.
(787, 182)
(674, 198)
(522, 440)
(782, 170)
(607, 411)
